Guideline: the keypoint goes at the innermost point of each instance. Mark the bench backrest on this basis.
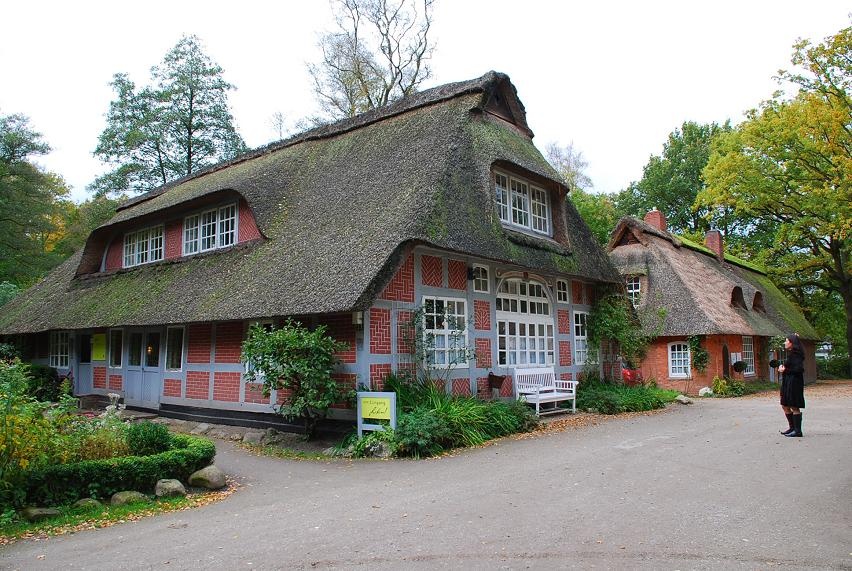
(526, 379)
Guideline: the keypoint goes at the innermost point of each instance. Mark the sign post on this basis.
(373, 406)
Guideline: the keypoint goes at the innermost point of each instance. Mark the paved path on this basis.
(709, 486)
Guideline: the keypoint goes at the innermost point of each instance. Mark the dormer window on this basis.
(757, 303)
(521, 204)
(737, 299)
(209, 230)
(143, 246)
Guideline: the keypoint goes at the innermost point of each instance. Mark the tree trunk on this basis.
(847, 303)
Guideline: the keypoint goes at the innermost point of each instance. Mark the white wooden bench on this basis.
(540, 385)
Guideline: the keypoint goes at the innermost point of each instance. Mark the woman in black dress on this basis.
(793, 384)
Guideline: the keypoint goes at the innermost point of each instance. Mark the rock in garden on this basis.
(705, 392)
(38, 514)
(253, 437)
(169, 489)
(121, 498)
(218, 433)
(236, 436)
(210, 477)
(683, 399)
(87, 503)
(200, 429)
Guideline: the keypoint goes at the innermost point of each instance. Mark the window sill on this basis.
(541, 242)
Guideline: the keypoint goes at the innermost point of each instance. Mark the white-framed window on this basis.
(445, 328)
(60, 349)
(480, 279)
(116, 346)
(524, 324)
(562, 291)
(680, 360)
(174, 348)
(581, 337)
(209, 230)
(634, 290)
(143, 246)
(522, 204)
(748, 355)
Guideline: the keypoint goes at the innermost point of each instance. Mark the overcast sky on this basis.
(613, 77)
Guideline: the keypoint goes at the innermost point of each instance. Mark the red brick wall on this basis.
(577, 292)
(566, 376)
(461, 387)
(226, 386)
(340, 327)
(380, 331)
(481, 315)
(431, 271)
(590, 294)
(483, 353)
(229, 339)
(565, 356)
(282, 395)
(254, 394)
(115, 253)
(404, 333)
(115, 382)
(457, 274)
(198, 345)
(483, 389)
(401, 287)
(99, 377)
(197, 385)
(563, 321)
(345, 381)
(247, 226)
(174, 240)
(378, 373)
(172, 388)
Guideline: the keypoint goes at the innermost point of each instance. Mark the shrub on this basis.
(146, 438)
(739, 366)
(421, 432)
(612, 398)
(729, 387)
(373, 442)
(833, 367)
(44, 384)
(65, 483)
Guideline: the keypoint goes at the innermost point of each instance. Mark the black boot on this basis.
(797, 427)
(790, 421)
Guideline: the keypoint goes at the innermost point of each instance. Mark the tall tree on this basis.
(32, 202)
(671, 181)
(379, 52)
(178, 124)
(790, 162)
(570, 164)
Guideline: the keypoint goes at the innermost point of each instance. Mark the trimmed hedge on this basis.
(66, 483)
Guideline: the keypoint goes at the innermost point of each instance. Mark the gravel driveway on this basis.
(707, 486)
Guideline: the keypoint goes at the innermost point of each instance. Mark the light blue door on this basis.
(83, 378)
(144, 368)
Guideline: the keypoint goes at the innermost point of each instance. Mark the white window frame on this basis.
(563, 294)
(679, 374)
(580, 323)
(112, 349)
(634, 290)
(454, 339)
(144, 246)
(211, 229)
(168, 347)
(60, 349)
(478, 279)
(525, 338)
(748, 355)
(522, 204)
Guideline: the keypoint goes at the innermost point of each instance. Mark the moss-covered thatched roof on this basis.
(694, 287)
(337, 207)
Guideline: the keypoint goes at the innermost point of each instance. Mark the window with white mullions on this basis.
(524, 324)
(143, 246)
(209, 230)
(190, 234)
(501, 189)
(634, 290)
(562, 291)
(679, 360)
(581, 341)
(60, 349)
(480, 279)
(445, 329)
(748, 355)
(521, 204)
(539, 207)
(227, 225)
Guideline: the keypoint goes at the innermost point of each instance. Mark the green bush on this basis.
(421, 432)
(728, 387)
(66, 483)
(146, 438)
(612, 398)
(44, 384)
(833, 368)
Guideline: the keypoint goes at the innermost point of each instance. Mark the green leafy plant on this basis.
(728, 387)
(420, 341)
(146, 438)
(700, 355)
(422, 432)
(300, 360)
(375, 442)
(739, 366)
(613, 317)
(612, 398)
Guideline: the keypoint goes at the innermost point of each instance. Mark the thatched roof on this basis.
(695, 288)
(337, 207)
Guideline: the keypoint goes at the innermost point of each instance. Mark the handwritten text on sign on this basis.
(379, 408)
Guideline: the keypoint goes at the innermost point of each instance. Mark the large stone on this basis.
(683, 399)
(169, 489)
(38, 514)
(217, 433)
(200, 428)
(87, 503)
(210, 477)
(705, 392)
(253, 437)
(127, 497)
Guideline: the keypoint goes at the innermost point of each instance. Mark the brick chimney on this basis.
(713, 240)
(656, 219)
